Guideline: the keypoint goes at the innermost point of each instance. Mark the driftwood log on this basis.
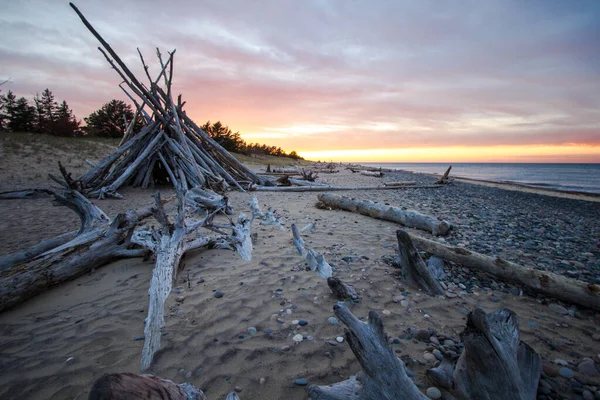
(304, 182)
(377, 174)
(404, 183)
(260, 188)
(414, 269)
(546, 283)
(128, 386)
(283, 170)
(495, 364)
(444, 178)
(26, 194)
(409, 218)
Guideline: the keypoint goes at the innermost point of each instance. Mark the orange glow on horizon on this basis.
(524, 153)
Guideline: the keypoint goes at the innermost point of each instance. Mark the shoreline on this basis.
(570, 194)
(573, 194)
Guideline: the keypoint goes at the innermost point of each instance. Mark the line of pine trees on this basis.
(111, 120)
(233, 142)
(45, 115)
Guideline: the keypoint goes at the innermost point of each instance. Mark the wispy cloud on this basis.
(334, 74)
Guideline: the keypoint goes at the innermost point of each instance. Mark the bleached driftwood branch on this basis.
(316, 261)
(172, 241)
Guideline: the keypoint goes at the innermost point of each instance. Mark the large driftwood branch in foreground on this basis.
(383, 374)
(495, 364)
(414, 269)
(99, 241)
(543, 282)
(259, 188)
(409, 218)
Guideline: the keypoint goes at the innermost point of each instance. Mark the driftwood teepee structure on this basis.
(169, 148)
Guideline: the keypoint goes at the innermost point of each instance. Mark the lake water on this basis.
(565, 177)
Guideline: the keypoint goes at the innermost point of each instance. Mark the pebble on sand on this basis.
(218, 294)
(566, 373)
(301, 382)
(298, 338)
(433, 393)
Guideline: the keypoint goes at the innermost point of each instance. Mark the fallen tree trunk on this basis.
(282, 170)
(495, 364)
(414, 269)
(98, 242)
(260, 188)
(409, 218)
(543, 282)
(26, 194)
(407, 183)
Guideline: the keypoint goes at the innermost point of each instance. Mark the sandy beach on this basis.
(57, 344)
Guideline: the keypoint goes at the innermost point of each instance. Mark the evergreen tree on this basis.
(46, 108)
(108, 120)
(224, 136)
(7, 107)
(66, 124)
(22, 117)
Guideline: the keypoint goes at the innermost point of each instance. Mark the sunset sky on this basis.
(401, 81)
